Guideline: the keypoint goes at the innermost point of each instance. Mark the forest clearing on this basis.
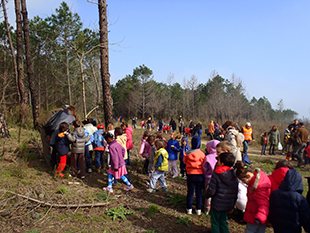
(32, 200)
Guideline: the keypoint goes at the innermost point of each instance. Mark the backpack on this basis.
(52, 121)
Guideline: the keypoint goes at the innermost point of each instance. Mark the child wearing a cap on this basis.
(98, 145)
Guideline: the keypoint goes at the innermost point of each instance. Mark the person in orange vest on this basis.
(248, 137)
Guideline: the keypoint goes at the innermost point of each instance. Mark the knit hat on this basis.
(100, 126)
(196, 142)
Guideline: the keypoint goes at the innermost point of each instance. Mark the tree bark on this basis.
(19, 45)
(4, 130)
(11, 46)
(83, 86)
(104, 62)
(31, 81)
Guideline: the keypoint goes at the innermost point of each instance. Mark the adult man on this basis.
(301, 137)
(160, 124)
(293, 126)
(248, 137)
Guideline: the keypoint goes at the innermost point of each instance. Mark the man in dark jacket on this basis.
(223, 190)
(289, 210)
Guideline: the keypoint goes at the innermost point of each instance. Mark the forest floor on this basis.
(32, 200)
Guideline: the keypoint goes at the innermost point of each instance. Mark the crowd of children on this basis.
(219, 181)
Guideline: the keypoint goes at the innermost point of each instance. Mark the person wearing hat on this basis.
(248, 137)
(98, 145)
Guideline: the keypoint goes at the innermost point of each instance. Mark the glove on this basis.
(257, 221)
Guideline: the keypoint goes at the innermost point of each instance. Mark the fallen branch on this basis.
(57, 205)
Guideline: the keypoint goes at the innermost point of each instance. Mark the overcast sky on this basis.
(264, 43)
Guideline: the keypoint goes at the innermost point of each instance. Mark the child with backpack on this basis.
(98, 145)
(117, 162)
(78, 140)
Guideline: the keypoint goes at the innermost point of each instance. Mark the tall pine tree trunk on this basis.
(11, 46)
(104, 62)
(31, 81)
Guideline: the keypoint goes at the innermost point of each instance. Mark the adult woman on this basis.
(274, 138)
(234, 139)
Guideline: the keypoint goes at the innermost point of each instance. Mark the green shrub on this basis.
(153, 209)
(185, 220)
(118, 213)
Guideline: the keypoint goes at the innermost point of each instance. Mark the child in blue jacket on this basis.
(173, 147)
(184, 147)
(99, 147)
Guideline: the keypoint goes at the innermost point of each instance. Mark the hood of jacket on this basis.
(292, 182)
(278, 175)
(260, 180)
(122, 139)
(80, 132)
(227, 176)
(196, 142)
(211, 146)
(128, 130)
(184, 138)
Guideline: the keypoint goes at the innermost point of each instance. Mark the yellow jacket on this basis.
(164, 164)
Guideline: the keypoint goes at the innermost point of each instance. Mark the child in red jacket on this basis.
(258, 192)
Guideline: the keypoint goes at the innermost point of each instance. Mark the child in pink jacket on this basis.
(258, 192)
(145, 150)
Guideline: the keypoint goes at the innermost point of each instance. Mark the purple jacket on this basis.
(145, 148)
(117, 153)
(210, 160)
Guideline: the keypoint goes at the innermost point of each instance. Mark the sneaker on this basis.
(89, 170)
(107, 189)
(150, 190)
(128, 188)
(98, 169)
(174, 176)
(164, 190)
(147, 182)
(78, 171)
(82, 177)
(198, 212)
(189, 211)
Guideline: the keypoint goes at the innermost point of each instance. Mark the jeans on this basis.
(298, 151)
(158, 175)
(254, 228)
(182, 168)
(245, 146)
(271, 148)
(174, 165)
(194, 182)
(87, 158)
(219, 221)
(127, 161)
(98, 158)
(263, 149)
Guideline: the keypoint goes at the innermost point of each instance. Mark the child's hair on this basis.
(151, 138)
(118, 131)
(124, 124)
(265, 134)
(242, 169)
(160, 143)
(107, 135)
(284, 163)
(77, 123)
(158, 135)
(227, 124)
(224, 146)
(110, 127)
(184, 140)
(227, 158)
(64, 126)
(146, 133)
(178, 136)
